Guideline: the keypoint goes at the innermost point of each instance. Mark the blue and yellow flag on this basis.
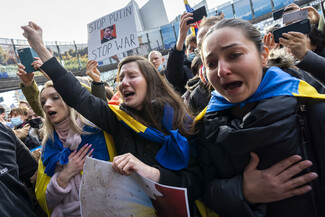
(43, 179)
(275, 83)
(175, 152)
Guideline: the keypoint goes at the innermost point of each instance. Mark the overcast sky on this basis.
(66, 20)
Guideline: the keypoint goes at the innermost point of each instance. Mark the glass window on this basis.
(155, 39)
(227, 11)
(261, 7)
(211, 13)
(281, 3)
(168, 35)
(144, 47)
(176, 27)
(243, 10)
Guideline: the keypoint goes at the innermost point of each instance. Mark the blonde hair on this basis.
(73, 115)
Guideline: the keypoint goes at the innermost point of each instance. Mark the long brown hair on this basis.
(159, 93)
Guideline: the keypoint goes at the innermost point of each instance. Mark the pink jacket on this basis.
(64, 202)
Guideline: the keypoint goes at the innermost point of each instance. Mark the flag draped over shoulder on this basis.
(174, 153)
(43, 179)
(275, 83)
(188, 8)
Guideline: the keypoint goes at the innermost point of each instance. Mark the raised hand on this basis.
(34, 34)
(183, 29)
(297, 43)
(76, 163)
(126, 164)
(277, 182)
(268, 41)
(26, 78)
(37, 63)
(92, 71)
(313, 15)
(115, 57)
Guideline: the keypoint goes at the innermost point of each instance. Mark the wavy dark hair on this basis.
(159, 93)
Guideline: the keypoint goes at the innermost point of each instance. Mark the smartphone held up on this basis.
(26, 56)
(302, 26)
(198, 15)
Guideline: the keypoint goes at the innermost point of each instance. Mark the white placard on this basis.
(112, 34)
(103, 192)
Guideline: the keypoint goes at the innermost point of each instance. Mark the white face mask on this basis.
(16, 121)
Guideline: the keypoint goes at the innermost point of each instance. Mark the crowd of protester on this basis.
(232, 116)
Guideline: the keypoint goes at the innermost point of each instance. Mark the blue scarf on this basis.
(174, 154)
(54, 152)
(274, 83)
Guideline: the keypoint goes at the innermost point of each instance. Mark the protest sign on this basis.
(112, 34)
(104, 192)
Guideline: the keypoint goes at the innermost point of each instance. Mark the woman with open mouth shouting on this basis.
(68, 139)
(261, 110)
(150, 128)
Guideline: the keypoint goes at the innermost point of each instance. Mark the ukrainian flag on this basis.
(274, 83)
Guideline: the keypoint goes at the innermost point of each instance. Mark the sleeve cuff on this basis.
(57, 188)
(167, 177)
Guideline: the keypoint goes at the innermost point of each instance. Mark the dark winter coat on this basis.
(272, 129)
(178, 69)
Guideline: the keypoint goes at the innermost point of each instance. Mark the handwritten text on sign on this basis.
(112, 34)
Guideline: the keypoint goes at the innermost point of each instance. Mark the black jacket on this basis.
(313, 64)
(16, 165)
(199, 95)
(178, 70)
(272, 129)
(126, 140)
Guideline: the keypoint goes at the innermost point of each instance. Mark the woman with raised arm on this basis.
(151, 129)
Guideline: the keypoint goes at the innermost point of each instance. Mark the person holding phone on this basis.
(151, 128)
(178, 68)
(313, 15)
(307, 58)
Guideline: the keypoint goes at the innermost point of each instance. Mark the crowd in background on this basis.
(233, 117)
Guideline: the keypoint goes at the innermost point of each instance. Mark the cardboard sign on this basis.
(112, 34)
